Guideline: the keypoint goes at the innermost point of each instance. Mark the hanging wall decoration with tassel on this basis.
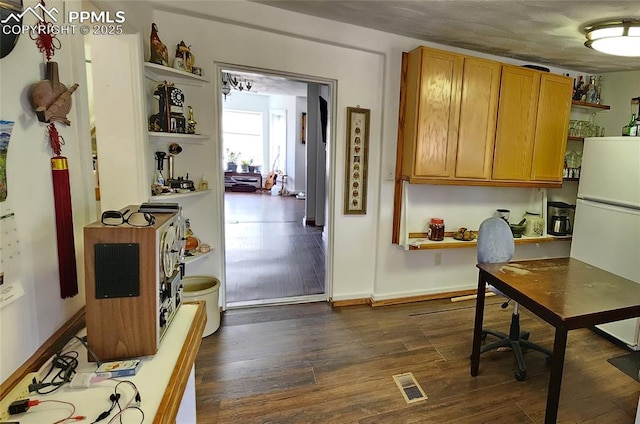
(51, 101)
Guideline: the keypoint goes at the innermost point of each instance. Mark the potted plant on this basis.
(244, 164)
(252, 168)
(232, 161)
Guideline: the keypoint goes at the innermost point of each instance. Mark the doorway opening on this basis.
(276, 169)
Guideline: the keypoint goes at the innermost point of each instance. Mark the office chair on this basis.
(495, 245)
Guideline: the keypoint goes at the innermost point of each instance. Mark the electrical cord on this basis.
(66, 363)
(23, 405)
(115, 397)
(83, 340)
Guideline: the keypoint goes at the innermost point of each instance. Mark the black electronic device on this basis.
(157, 207)
(181, 183)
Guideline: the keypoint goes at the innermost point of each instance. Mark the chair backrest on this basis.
(495, 241)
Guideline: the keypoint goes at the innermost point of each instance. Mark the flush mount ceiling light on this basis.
(620, 37)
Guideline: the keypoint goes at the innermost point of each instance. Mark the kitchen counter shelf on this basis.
(590, 106)
(171, 196)
(160, 72)
(451, 243)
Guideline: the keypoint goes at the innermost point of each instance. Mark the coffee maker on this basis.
(559, 218)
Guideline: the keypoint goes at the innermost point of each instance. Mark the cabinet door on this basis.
(552, 125)
(516, 123)
(478, 111)
(432, 112)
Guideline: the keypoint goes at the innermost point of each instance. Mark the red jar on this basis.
(436, 229)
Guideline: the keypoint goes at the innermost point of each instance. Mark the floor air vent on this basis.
(409, 387)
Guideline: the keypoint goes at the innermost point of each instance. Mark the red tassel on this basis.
(64, 228)
(64, 217)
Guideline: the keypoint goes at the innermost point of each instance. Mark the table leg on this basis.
(477, 327)
(555, 379)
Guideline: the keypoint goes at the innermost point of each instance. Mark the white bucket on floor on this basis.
(204, 288)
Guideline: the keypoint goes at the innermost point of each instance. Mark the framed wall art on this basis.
(303, 128)
(355, 189)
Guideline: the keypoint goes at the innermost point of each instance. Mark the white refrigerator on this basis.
(606, 231)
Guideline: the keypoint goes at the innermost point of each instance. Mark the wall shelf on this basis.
(196, 257)
(451, 243)
(167, 196)
(160, 72)
(185, 138)
(590, 106)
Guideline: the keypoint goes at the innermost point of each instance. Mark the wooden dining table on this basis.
(566, 293)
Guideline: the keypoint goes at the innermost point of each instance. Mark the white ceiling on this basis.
(539, 31)
(272, 85)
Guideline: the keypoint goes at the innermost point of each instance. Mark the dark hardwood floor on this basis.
(311, 363)
(269, 253)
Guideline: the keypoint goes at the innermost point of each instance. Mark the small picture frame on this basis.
(303, 128)
(357, 150)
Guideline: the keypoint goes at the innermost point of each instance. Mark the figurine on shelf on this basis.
(184, 58)
(159, 52)
(191, 122)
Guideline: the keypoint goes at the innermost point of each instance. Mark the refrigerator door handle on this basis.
(615, 205)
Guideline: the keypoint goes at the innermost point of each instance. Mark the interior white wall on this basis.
(30, 320)
(618, 90)
(313, 138)
(288, 104)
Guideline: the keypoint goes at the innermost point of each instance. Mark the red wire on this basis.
(69, 417)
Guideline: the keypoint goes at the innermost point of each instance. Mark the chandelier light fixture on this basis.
(236, 82)
(619, 37)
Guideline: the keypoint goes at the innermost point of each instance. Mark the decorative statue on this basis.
(159, 52)
(184, 60)
(191, 123)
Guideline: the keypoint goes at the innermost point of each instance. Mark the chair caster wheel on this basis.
(525, 335)
(483, 336)
(521, 375)
(547, 361)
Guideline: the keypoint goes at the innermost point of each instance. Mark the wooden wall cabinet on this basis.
(552, 127)
(432, 113)
(471, 121)
(532, 127)
(448, 130)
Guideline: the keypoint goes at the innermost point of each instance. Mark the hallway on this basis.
(269, 253)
